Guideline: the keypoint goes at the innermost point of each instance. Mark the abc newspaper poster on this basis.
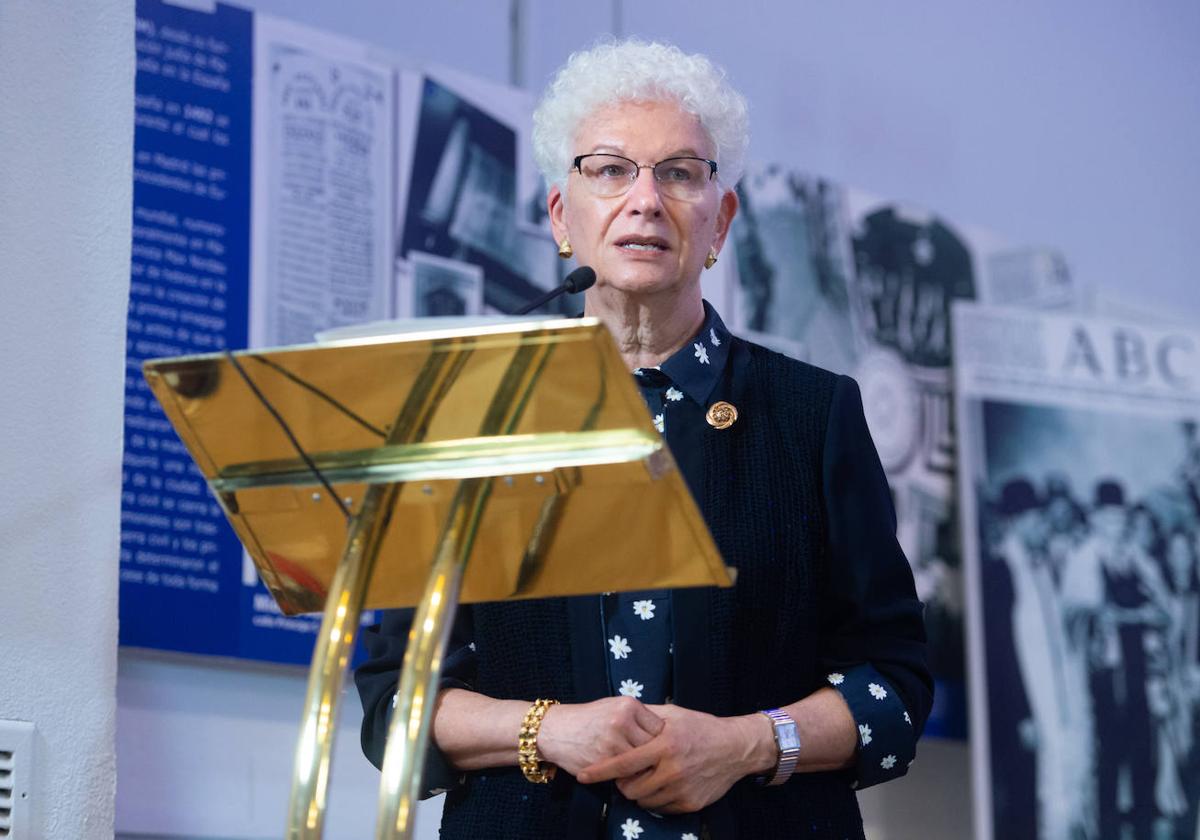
(1079, 482)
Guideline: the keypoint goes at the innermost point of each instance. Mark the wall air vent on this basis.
(16, 778)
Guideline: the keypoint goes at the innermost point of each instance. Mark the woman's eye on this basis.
(611, 171)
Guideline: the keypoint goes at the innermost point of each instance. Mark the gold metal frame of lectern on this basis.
(365, 474)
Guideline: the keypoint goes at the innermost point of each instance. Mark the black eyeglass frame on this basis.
(712, 164)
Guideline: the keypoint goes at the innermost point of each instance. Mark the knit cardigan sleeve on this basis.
(376, 680)
(871, 614)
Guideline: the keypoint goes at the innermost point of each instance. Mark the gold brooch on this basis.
(721, 415)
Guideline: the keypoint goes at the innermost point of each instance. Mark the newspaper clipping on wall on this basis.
(324, 114)
(1079, 483)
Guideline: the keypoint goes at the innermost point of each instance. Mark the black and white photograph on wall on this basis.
(1084, 575)
(793, 264)
(442, 287)
(461, 200)
(532, 214)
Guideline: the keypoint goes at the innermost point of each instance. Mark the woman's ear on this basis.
(726, 212)
(556, 209)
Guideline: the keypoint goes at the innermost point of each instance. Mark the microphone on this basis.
(579, 280)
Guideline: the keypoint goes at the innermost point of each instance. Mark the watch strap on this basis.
(787, 745)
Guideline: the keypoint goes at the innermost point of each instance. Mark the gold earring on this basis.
(565, 250)
(711, 259)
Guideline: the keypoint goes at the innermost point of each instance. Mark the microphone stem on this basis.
(541, 301)
(579, 280)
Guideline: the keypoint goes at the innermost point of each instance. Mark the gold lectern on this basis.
(365, 473)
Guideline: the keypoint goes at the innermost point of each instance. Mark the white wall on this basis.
(205, 750)
(66, 84)
(1068, 124)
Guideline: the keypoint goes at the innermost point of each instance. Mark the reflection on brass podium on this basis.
(366, 473)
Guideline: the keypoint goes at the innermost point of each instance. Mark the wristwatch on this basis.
(787, 742)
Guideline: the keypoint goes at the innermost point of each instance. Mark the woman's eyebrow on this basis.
(616, 149)
(608, 148)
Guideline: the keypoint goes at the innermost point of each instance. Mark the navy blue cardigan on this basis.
(796, 499)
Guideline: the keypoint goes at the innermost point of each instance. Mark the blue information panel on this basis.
(183, 585)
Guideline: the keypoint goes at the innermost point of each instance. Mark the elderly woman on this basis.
(753, 712)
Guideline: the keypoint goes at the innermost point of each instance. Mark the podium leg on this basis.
(335, 642)
(347, 592)
(408, 732)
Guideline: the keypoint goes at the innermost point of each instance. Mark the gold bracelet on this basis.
(538, 772)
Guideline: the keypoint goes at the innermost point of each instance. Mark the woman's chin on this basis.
(645, 282)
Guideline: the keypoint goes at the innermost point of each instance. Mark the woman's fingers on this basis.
(632, 724)
(641, 785)
(650, 723)
(637, 737)
(620, 766)
(645, 725)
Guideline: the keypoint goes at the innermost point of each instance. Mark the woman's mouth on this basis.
(643, 244)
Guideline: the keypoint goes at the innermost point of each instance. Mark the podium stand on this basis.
(431, 469)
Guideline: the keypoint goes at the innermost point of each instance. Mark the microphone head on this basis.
(580, 280)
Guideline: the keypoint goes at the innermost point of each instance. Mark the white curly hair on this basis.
(635, 70)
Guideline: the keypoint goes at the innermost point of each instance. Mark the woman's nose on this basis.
(644, 196)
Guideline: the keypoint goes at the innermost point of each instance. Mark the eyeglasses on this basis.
(608, 176)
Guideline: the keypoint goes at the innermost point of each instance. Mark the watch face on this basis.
(789, 739)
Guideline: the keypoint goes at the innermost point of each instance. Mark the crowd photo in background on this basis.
(1083, 469)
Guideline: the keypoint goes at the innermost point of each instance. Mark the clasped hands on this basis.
(668, 759)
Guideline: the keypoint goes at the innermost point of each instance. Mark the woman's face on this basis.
(1108, 522)
(606, 232)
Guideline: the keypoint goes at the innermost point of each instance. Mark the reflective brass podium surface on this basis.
(428, 469)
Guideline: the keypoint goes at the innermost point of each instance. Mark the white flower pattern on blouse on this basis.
(885, 728)
(642, 620)
(631, 688)
(712, 335)
(659, 423)
(632, 829)
(674, 394)
(620, 647)
(644, 609)
(701, 352)
(688, 836)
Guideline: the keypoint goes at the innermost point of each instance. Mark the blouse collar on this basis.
(696, 367)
